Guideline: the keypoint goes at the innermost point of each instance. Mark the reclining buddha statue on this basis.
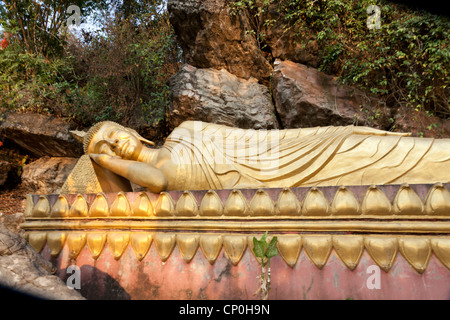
(202, 156)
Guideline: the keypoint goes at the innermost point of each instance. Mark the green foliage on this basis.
(265, 251)
(30, 81)
(406, 62)
(119, 73)
(40, 26)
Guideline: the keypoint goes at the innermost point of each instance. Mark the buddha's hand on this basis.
(377, 132)
(102, 159)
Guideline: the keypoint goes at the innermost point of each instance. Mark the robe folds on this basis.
(211, 156)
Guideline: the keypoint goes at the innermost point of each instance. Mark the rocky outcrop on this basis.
(220, 97)
(306, 97)
(47, 175)
(41, 135)
(212, 37)
(23, 270)
(5, 169)
(283, 42)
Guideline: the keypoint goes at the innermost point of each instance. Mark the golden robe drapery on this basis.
(211, 156)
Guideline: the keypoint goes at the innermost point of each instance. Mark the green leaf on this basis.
(272, 248)
(264, 237)
(258, 248)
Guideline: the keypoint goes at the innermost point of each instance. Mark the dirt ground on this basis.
(12, 201)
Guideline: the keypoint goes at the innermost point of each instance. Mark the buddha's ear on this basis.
(141, 138)
(147, 141)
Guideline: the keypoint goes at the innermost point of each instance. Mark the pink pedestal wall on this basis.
(128, 278)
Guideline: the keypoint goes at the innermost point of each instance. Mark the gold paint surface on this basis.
(315, 203)
(99, 207)
(437, 201)
(29, 206)
(211, 246)
(120, 207)
(194, 157)
(382, 250)
(416, 251)
(407, 202)
(55, 241)
(375, 202)
(349, 249)
(211, 205)
(75, 242)
(142, 206)
(82, 179)
(188, 245)
(164, 206)
(42, 208)
(60, 208)
(118, 242)
(234, 246)
(96, 242)
(37, 240)
(288, 204)
(141, 242)
(312, 218)
(79, 207)
(318, 248)
(441, 248)
(289, 247)
(187, 205)
(344, 203)
(165, 243)
(236, 204)
(261, 204)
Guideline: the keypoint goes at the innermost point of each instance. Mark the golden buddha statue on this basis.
(202, 156)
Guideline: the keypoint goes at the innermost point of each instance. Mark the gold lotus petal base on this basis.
(383, 221)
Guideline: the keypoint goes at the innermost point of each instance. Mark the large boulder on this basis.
(47, 175)
(212, 37)
(218, 96)
(306, 97)
(41, 135)
(23, 270)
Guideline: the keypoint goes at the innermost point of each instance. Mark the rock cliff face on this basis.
(213, 37)
(41, 135)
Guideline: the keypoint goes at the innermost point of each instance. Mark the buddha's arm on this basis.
(140, 173)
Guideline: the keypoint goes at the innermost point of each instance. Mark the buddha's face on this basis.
(116, 141)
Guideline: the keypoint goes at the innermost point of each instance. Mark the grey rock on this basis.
(41, 135)
(12, 222)
(218, 96)
(212, 37)
(306, 97)
(47, 175)
(23, 270)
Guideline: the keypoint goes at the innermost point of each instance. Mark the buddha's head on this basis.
(111, 138)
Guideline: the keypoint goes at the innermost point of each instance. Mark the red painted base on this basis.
(128, 278)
